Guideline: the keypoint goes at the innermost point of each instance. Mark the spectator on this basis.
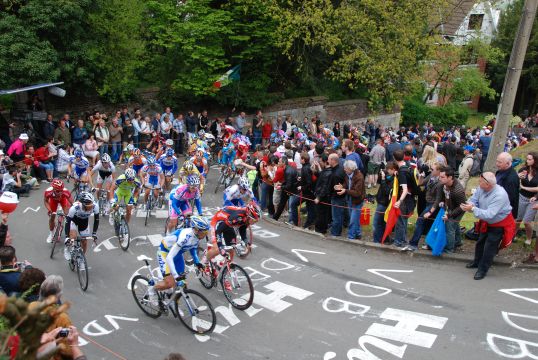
(178, 129)
(485, 141)
(5, 237)
(338, 202)
(377, 157)
(307, 188)
(115, 131)
(507, 177)
(145, 132)
(80, 134)
(348, 148)
(124, 115)
(257, 124)
(118, 118)
(62, 134)
(450, 150)
(63, 159)
(13, 182)
(10, 273)
(127, 134)
(155, 125)
(355, 190)
(323, 171)
(406, 199)
(5, 128)
(203, 121)
(383, 198)
(528, 176)
(48, 128)
(45, 162)
(191, 123)
(336, 129)
(166, 126)
(392, 147)
(30, 283)
(240, 123)
(288, 188)
(102, 135)
(267, 128)
(464, 171)
(91, 148)
(136, 125)
(452, 195)
(17, 150)
(491, 205)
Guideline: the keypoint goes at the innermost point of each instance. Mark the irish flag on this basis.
(231, 75)
(392, 213)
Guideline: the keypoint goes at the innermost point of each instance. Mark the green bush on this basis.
(414, 111)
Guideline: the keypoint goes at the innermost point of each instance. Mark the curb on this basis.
(368, 244)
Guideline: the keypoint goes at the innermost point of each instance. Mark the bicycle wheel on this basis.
(56, 238)
(195, 312)
(237, 287)
(148, 209)
(82, 270)
(124, 235)
(219, 182)
(139, 289)
(206, 276)
(101, 207)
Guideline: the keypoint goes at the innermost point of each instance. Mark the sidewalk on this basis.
(462, 258)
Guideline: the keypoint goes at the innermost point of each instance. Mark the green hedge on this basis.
(414, 111)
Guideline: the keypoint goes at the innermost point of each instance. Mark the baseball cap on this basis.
(468, 148)
(23, 136)
(487, 131)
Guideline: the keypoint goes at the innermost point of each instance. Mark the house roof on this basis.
(453, 15)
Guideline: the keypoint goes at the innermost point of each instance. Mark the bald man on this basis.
(490, 204)
(507, 177)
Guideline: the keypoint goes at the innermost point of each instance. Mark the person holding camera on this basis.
(13, 182)
(67, 335)
(10, 270)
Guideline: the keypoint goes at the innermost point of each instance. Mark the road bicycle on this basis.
(226, 177)
(191, 307)
(78, 187)
(233, 279)
(149, 203)
(102, 201)
(58, 228)
(78, 261)
(121, 227)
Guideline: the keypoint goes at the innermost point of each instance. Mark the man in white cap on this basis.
(17, 150)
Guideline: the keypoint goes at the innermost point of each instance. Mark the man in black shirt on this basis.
(406, 199)
(507, 178)
(338, 202)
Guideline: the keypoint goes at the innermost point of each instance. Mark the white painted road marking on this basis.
(378, 271)
(31, 208)
(514, 291)
(298, 251)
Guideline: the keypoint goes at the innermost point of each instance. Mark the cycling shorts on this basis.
(229, 236)
(137, 168)
(125, 196)
(167, 171)
(54, 204)
(80, 226)
(152, 181)
(179, 263)
(182, 205)
(79, 173)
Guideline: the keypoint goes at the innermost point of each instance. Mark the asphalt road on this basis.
(315, 299)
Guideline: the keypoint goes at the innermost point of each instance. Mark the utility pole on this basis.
(511, 82)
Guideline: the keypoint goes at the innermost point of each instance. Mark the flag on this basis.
(392, 213)
(231, 75)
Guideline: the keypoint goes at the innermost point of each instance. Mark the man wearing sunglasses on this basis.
(496, 226)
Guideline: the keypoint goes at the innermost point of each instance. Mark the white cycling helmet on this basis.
(105, 159)
(169, 142)
(243, 183)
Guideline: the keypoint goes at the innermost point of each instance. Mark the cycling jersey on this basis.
(152, 174)
(77, 219)
(224, 222)
(54, 199)
(125, 189)
(228, 156)
(170, 254)
(200, 165)
(183, 173)
(137, 162)
(104, 172)
(179, 201)
(168, 164)
(233, 196)
(81, 165)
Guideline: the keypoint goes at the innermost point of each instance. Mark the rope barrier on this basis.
(103, 347)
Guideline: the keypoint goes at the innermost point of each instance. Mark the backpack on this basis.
(412, 185)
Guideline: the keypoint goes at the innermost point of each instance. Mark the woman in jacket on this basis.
(383, 198)
(355, 190)
(323, 193)
(528, 192)
(306, 188)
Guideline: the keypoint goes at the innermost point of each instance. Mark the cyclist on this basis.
(170, 254)
(228, 155)
(137, 161)
(77, 220)
(126, 154)
(126, 188)
(238, 194)
(56, 194)
(200, 162)
(224, 223)
(168, 163)
(179, 200)
(152, 177)
(105, 173)
(189, 169)
(169, 144)
(81, 165)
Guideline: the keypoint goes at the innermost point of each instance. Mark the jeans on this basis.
(311, 213)
(354, 231)
(257, 138)
(116, 151)
(487, 247)
(263, 196)
(103, 149)
(453, 234)
(400, 232)
(281, 205)
(420, 225)
(337, 211)
(47, 166)
(135, 141)
(293, 207)
(379, 222)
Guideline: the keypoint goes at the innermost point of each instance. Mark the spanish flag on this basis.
(392, 213)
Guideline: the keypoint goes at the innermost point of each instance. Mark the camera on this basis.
(63, 333)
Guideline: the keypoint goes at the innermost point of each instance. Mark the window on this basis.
(475, 22)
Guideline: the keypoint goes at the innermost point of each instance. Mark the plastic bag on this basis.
(436, 237)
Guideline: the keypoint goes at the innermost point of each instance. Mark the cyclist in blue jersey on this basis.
(168, 163)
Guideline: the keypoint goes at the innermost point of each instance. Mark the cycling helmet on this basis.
(243, 183)
(193, 180)
(253, 211)
(130, 147)
(201, 133)
(136, 152)
(57, 184)
(105, 159)
(169, 142)
(86, 198)
(78, 153)
(188, 166)
(130, 174)
(150, 160)
(199, 223)
(170, 152)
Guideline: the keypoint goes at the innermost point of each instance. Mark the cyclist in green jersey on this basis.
(126, 188)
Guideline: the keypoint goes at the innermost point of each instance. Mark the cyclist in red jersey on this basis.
(56, 194)
(224, 223)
